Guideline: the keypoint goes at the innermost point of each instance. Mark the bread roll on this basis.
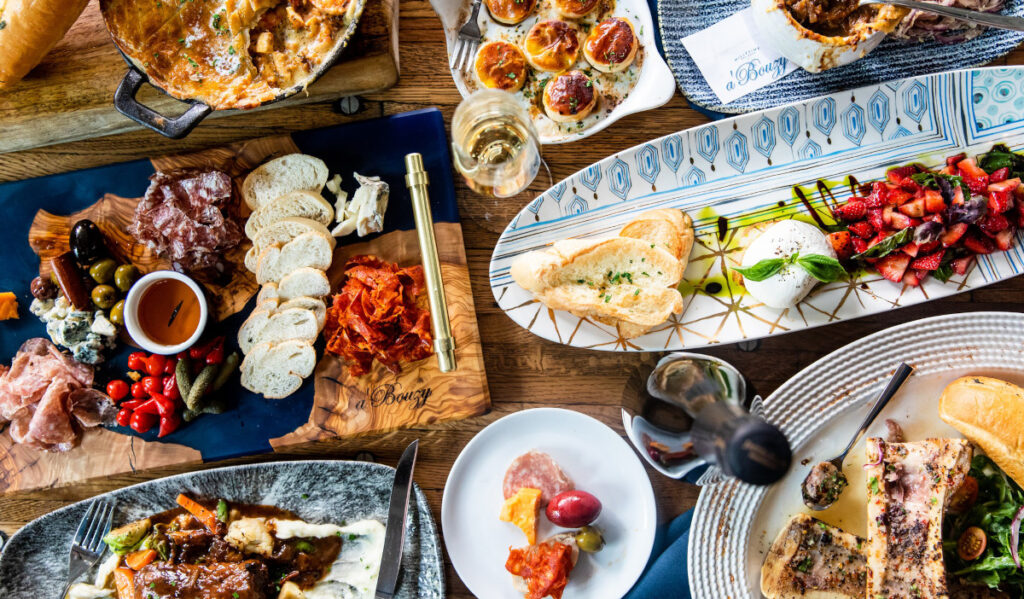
(28, 30)
(989, 412)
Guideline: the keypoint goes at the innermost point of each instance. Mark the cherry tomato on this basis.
(169, 424)
(142, 422)
(972, 544)
(152, 384)
(171, 388)
(137, 360)
(155, 365)
(138, 392)
(182, 355)
(964, 496)
(124, 417)
(117, 389)
(164, 405)
(169, 365)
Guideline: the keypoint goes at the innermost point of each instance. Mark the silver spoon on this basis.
(826, 481)
(971, 16)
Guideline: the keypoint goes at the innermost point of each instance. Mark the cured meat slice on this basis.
(536, 470)
(908, 486)
(91, 407)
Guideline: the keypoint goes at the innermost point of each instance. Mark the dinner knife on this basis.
(394, 535)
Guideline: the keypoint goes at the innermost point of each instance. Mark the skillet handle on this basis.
(174, 128)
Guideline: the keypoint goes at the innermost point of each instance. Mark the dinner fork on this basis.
(88, 546)
(468, 40)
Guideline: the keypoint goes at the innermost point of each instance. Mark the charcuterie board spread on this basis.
(324, 300)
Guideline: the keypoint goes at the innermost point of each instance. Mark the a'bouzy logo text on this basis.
(751, 71)
(392, 394)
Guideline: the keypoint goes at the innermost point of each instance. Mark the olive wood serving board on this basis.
(330, 403)
(69, 96)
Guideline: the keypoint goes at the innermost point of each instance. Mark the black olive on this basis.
(87, 242)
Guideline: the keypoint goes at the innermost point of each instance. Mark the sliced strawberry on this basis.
(1004, 185)
(898, 174)
(902, 221)
(911, 249)
(953, 234)
(863, 229)
(916, 208)
(958, 196)
(911, 278)
(979, 244)
(927, 248)
(970, 168)
(893, 266)
(1004, 239)
(1001, 174)
(1020, 215)
(935, 218)
(928, 262)
(960, 265)
(853, 210)
(953, 160)
(876, 219)
(899, 197)
(933, 201)
(993, 223)
(977, 185)
(999, 201)
(859, 245)
(842, 243)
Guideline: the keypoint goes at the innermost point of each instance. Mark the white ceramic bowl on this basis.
(813, 51)
(131, 312)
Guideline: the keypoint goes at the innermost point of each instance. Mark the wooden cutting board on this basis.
(331, 403)
(69, 96)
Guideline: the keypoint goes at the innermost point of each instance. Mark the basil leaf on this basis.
(762, 270)
(943, 272)
(931, 180)
(888, 245)
(824, 268)
(999, 157)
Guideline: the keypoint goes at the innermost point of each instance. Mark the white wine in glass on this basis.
(495, 145)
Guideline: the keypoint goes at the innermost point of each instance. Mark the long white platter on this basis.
(744, 170)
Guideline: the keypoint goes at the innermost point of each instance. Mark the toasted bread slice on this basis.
(812, 560)
(281, 175)
(666, 228)
(276, 326)
(283, 231)
(276, 371)
(315, 305)
(303, 282)
(303, 203)
(311, 249)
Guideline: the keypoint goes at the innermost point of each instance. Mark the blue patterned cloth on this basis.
(665, 576)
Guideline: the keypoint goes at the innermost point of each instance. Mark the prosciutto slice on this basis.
(48, 398)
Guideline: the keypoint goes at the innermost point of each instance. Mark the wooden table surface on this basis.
(524, 371)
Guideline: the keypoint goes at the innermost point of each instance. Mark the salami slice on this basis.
(536, 470)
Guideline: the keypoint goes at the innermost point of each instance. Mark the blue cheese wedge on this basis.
(85, 334)
(364, 213)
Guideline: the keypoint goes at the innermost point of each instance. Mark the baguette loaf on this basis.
(628, 282)
(989, 412)
(29, 29)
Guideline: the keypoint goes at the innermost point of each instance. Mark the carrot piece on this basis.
(136, 560)
(124, 582)
(207, 517)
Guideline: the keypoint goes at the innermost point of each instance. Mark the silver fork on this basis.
(468, 40)
(88, 546)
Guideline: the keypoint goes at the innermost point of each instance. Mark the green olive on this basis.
(125, 276)
(102, 271)
(117, 314)
(104, 296)
(589, 539)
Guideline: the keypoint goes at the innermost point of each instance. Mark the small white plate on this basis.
(594, 457)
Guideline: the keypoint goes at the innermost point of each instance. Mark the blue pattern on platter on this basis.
(247, 429)
(891, 60)
(744, 169)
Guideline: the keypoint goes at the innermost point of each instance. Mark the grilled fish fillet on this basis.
(908, 486)
(813, 560)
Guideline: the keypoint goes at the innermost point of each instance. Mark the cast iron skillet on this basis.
(180, 126)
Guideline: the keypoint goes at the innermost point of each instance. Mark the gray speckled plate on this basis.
(34, 562)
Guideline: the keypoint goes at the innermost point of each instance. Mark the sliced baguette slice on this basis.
(283, 231)
(268, 293)
(579, 262)
(307, 204)
(277, 371)
(310, 249)
(666, 228)
(282, 175)
(304, 282)
(277, 326)
(317, 306)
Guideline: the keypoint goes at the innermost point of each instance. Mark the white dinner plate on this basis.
(819, 409)
(594, 457)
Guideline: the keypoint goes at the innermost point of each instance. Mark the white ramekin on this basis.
(131, 309)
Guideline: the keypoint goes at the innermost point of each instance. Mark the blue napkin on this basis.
(665, 576)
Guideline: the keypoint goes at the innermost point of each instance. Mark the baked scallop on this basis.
(510, 12)
(501, 65)
(611, 45)
(552, 46)
(574, 9)
(569, 97)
